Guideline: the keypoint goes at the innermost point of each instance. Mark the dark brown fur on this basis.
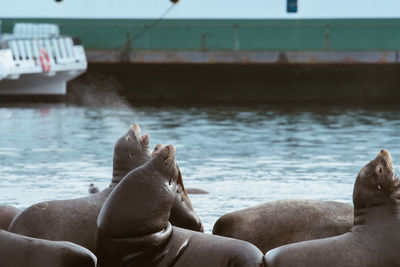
(140, 235)
(74, 220)
(282, 222)
(21, 251)
(7, 214)
(373, 241)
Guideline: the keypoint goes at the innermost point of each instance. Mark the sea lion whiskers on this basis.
(166, 152)
(171, 155)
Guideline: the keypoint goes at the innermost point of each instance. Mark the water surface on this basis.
(243, 156)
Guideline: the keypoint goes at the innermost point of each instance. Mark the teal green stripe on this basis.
(229, 35)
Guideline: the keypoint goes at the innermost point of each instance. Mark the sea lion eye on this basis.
(380, 169)
(128, 138)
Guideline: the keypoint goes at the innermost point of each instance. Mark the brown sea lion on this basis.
(93, 189)
(21, 251)
(182, 212)
(282, 222)
(134, 229)
(196, 191)
(7, 214)
(373, 241)
(74, 220)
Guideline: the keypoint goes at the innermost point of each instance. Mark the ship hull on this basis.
(37, 85)
(194, 40)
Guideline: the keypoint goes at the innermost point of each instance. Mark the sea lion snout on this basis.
(165, 158)
(166, 152)
(385, 155)
(135, 127)
(134, 133)
(384, 163)
(133, 141)
(157, 149)
(130, 151)
(375, 181)
(171, 150)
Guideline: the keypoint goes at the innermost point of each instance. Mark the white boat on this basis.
(35, 60)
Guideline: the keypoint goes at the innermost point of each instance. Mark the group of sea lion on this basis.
(145, 218)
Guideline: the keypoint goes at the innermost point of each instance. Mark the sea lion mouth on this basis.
(145, 138)
(137, 135)
(385, 155)
(135, 127)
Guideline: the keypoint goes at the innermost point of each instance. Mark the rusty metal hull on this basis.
(270, 57)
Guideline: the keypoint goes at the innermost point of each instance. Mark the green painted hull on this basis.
(231, 35)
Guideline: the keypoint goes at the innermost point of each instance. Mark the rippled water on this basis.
(242, 155)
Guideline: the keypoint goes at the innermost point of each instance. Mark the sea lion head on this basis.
(163, 159)
(141, 202)
(93, 189)
(182, 213)
(130, 151)
(376, 183)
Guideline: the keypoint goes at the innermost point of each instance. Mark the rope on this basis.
(140, 34)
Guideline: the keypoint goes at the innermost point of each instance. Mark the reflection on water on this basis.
(242, 155)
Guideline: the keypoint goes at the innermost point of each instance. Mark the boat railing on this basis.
(48, 55)
(35, 30)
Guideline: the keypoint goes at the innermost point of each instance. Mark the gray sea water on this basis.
(243, 156)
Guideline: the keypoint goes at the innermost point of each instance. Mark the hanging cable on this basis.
(140, 34)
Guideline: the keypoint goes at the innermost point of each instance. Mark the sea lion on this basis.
(373, 241)
(21, 251)
(133, 227)
(182, 212)
(93, 189)
(196, 191)
(7, 214)
(282, 222)
(74, 220)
